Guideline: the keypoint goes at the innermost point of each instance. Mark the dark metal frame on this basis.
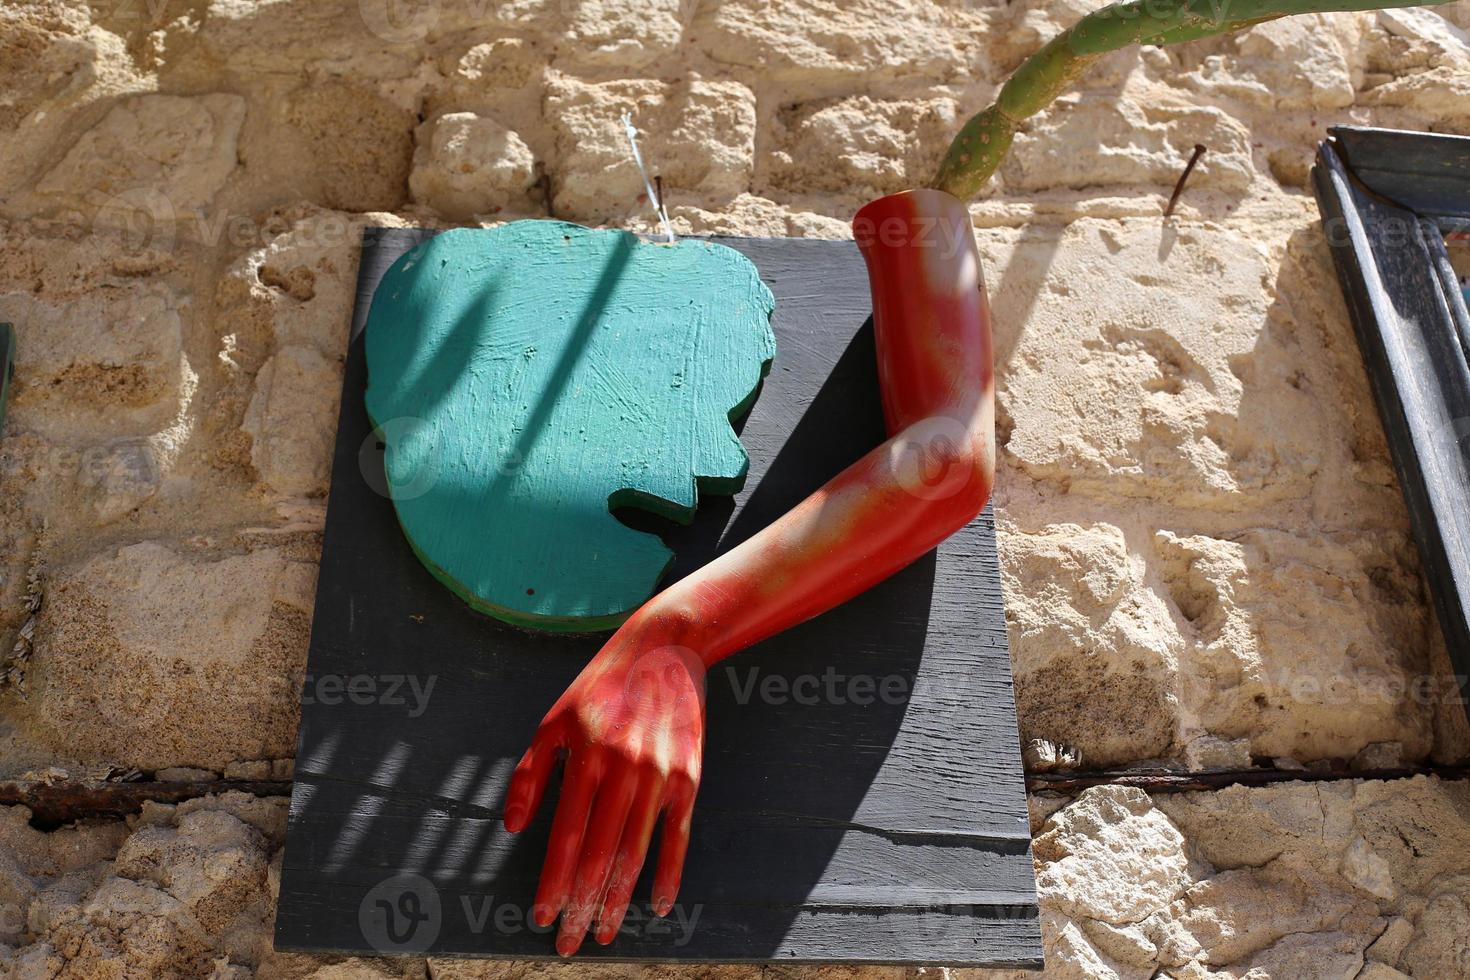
(1387, 199)
(7, 367)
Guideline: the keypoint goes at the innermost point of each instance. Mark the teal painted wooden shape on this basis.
(7, 367)
(527, 379)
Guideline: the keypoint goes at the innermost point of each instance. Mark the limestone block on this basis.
(1081, 620)
(292, 421)
(860, 146)
(1097, 140)
(165, 154)
(810, 39)
(699, 135)
(151, 657)
(1110, 856)
(623, 34)
(467, 165)
(100, 363)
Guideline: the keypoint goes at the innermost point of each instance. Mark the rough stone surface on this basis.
(1089, 628)
(859, 144)
(100, 362)
(282, 314)
(1128, 144)
(699, 135)
(290, 421)
(468, 165)
(1130, 887)
(169, 152)
(812, 39)
(1206, 558)
(1117, 858)
(626, 35)
(155, 656)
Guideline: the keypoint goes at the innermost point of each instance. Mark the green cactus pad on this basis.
(527, 379)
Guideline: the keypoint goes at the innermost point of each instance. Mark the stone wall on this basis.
(1206, 556)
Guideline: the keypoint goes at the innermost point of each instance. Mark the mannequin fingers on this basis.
(579, 786)
(528, 783)
(599, 846)
(632, 851)
(673, 845)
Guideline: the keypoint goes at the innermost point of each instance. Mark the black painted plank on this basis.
(886, 823)
(862, 866)
(1428, 173)
(475, 923)
(1405, 315)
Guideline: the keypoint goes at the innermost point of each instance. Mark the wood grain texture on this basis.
(528, 379)
(863, 795)
(1410, 319)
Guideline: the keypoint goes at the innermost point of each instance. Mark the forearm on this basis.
(929, 479)
(860, 528)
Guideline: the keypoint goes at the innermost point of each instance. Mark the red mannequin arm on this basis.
(632, 723)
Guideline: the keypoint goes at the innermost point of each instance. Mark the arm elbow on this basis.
(949, 474)
(973, 493)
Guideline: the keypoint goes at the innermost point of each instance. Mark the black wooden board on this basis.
(885, 824)
(1414, 333)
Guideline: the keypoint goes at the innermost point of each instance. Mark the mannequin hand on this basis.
(631, 727)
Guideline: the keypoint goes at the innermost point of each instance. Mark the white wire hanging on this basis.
(653, 198)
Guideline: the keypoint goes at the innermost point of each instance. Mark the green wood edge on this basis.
(7, 367)
(512, 617)
(715, 485)
(619, 498)
(657, 506)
